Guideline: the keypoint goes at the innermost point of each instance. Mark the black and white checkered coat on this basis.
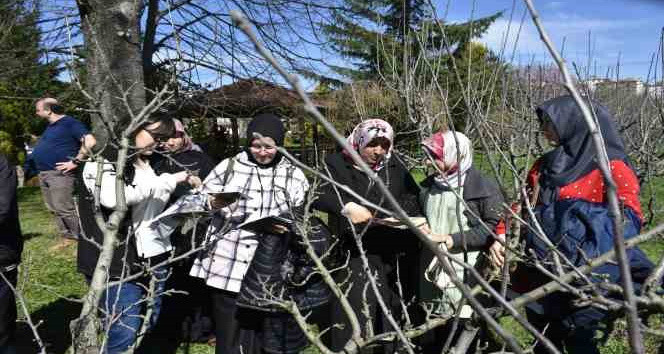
(272, 191)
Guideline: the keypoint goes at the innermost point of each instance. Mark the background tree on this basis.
(475, 76)
(381, 37)
(26, 75)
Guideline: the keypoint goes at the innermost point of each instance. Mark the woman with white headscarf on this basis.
(464, 210)
(481, 209)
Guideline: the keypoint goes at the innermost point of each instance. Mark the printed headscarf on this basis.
(187, 143)
(368, 130)
(576, 155)
(457, 153)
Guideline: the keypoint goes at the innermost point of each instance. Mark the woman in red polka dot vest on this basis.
(571, 206)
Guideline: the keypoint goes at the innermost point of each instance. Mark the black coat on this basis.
(193, 161)
(483, 199)
(377, 239)
(281, 266)
(11, 240)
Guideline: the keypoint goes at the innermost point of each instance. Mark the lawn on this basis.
(51, 285)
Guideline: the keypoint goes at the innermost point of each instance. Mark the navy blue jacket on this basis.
(582, 230)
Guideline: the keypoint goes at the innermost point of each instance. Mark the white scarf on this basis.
(457, 153)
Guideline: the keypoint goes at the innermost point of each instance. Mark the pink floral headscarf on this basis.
(181, 133)
(456, 152)
(368, 130)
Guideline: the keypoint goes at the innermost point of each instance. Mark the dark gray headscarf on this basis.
(576, 155)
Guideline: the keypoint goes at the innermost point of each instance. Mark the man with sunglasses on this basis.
(59, 151)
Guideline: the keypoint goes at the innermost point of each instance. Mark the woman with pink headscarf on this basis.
(390, 251)
(464, 210)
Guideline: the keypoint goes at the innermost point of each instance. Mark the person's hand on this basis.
(218, 201)
(442, 238)
(194, 181)
(279, 229)
(424, 228)
(65, 167)
(497, 254)
(181, 176)
(356, 213)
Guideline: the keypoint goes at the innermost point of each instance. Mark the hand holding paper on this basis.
(268, 225)
(398, 224)
(224, 199)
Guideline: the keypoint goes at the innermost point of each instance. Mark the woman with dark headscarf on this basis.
(273, 186)
(392, 253)
(570, 201)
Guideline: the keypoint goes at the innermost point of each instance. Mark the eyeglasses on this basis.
(258, 147)
(159, 138)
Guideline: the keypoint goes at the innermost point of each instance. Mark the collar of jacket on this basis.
(475, 185)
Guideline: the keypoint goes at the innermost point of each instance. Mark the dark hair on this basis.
(57, 109)
(380, 140)
(164, 131)
(54, 107)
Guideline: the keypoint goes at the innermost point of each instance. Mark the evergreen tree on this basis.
(376, 34)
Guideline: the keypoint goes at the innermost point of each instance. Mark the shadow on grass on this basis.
(54, 332)
(29, 235)
(54, 327)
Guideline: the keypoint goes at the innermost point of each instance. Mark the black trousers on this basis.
(578, 340)
(385, 268)
(235, 327)
(7, 313)
(256, 332)
(185, 317)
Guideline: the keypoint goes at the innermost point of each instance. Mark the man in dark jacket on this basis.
(11, 245)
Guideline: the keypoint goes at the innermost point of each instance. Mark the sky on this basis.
(607, 32)
(597, 34)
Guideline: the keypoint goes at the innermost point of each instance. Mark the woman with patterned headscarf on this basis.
(464, 209)
(390, 251)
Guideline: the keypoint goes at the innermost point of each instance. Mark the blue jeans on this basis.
(125, 304)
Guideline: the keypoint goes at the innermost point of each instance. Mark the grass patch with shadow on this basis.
(51, 285)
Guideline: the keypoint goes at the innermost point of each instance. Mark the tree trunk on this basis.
(116, 90)
(114, 62)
